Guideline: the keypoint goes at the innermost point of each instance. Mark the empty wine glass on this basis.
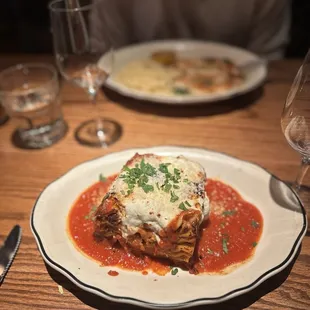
(77, 54)
(295, 120)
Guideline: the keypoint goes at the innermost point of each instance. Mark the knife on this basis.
(8, 250)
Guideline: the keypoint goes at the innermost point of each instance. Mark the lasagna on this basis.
(155, 206)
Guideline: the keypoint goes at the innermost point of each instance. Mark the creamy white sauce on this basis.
(155, 208)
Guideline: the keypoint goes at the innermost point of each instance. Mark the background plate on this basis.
(255, 74)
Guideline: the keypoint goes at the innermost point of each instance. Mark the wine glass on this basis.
(77, 53)
(295, 120)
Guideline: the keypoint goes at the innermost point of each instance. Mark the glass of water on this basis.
(30, 93)
(295, 118)
(77, 52)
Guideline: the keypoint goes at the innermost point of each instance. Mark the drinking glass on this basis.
(30, 92)
(295, 120)
(77, 54)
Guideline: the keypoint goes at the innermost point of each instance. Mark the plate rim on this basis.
(193, 302)
(192, 100)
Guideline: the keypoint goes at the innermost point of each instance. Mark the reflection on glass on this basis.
(295, 118)
(77, 54)
(30, 93)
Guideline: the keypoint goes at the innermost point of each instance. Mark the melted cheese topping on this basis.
(155, 208)
(196, 76)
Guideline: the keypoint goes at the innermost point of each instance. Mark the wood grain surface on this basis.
(247, 127)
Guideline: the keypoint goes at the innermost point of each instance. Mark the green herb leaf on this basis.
(105, 196)
(174, 197)
(210, 251)
(242, 228)
(142, 164)
(131, 186)
(163, 168)
(102, 178)
(147, 168)
(182, 206)
(229, 212)
(142, 180)
(167, 187)
(91, 213)
(176, 186)
(157, 185)
(186, 202)
(254, 244)
(254, 224)
(224, 245)
(185, 180)
(135, 172)
(180, 91)
(176, 171)
(174, 271)
(147, 188)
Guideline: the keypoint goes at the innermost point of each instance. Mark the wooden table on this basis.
(248, 128)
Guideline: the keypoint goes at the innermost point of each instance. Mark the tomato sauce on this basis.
(228, 237)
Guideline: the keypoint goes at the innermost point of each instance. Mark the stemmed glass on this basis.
(295, 118)
(77, 53)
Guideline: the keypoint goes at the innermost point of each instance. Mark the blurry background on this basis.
(24, 27)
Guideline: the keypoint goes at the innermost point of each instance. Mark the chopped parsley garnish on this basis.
(142, 180)
(176, 177)
(147, 168)
(210, 251)
(185, 180)
(167, 187)
(174, 271)
(254, 244)
(139, 176)
(182, 206)
(102, 178)
(163, 168)
(187, 203)
(177, 172)
(147, 188)
(242, 228)
(173, 197)
(254, 224)
(224, 245)
(229, 212)
(180, 91)
(91, 214)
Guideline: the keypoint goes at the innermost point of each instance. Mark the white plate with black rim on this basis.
(254, 68)
(285, 224)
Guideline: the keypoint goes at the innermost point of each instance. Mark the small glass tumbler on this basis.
(30, 93)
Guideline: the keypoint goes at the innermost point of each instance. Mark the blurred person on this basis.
(261, 26)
